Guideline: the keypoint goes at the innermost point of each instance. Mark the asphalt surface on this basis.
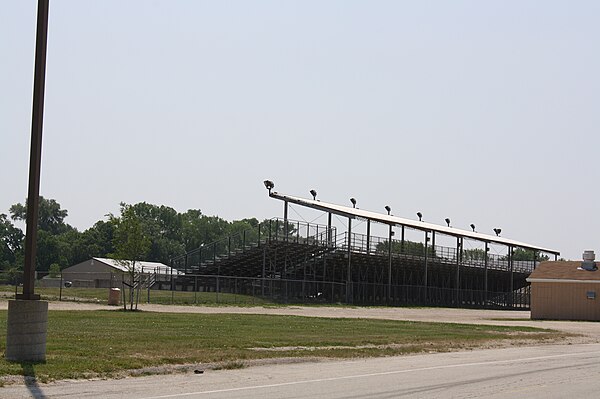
(550, 371)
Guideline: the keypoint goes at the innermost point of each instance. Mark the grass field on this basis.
(102, 343)
(100, 295)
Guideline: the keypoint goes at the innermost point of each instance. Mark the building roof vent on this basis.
(588, 261)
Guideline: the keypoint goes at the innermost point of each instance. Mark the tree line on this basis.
(161, 232)
(166, 234)
(418, 249)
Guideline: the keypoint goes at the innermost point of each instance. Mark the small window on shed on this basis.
(591, 295)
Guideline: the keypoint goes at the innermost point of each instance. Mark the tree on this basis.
(163, 225)
(520, 254)
(97, 241)
(474, 254)
(406, 248)
(54, 270)
(131, 244)
(198, 229)
(56, 239)
(11, 243)
(278, 228)
(51, 217)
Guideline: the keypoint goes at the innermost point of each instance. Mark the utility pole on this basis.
(27, 315)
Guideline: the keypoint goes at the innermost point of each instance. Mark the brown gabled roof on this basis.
(565, 270)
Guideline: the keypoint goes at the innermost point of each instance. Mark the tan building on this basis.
(565, 290)
(106, 273)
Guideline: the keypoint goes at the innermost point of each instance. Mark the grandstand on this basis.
(301, 262)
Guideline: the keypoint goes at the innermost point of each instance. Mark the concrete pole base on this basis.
(27, 326)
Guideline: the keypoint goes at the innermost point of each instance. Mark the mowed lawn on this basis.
(101, 343)
(164, 297)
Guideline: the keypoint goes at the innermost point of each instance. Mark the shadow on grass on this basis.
(31, 380)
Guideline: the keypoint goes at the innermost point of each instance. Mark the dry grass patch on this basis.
(105, 343)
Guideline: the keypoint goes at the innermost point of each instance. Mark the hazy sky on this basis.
(481, 111)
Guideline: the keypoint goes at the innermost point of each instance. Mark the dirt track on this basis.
(590, 331)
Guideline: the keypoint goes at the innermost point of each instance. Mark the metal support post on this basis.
(511, 263)
(368, 237)
(308, 233)
(329, 235)
(403, 263)
(426, 265)
(349, 271)
(485, 274)
(285, 220)
(390, 234)
(458, 256)
(402, 241)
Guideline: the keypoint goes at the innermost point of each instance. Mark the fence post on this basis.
(218, 287)
(263, 272)
(60, 289)
(148, 281)
(172, 287)
(258, 244)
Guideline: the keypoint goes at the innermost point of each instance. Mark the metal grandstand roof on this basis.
(414, 224)
(140, 266)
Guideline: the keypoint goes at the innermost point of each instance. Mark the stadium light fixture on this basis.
(420, 215)
(314, 194)
(353, 200)
(269, 185)
(447, 221)
(497, 231)
(472, 227)
(388, 209)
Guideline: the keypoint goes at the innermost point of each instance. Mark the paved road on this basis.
(550, 371)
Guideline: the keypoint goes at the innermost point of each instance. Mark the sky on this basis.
(482, 112)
